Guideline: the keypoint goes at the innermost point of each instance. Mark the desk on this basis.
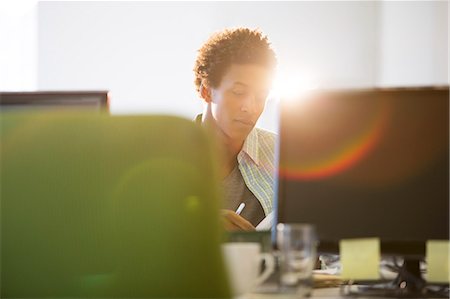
(331, 293)
(317, 293)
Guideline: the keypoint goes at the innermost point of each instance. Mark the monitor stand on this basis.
(409, 283)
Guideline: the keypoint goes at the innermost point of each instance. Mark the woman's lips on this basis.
(245, 122)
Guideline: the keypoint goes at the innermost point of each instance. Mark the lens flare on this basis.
(338, 155)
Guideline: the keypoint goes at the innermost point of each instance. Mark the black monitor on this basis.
(86, 100)
(367, 163)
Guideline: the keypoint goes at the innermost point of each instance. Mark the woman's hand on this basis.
(234, 222)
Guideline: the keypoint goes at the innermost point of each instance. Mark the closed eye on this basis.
(239, 92)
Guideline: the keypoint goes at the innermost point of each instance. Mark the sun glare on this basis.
(290, 87)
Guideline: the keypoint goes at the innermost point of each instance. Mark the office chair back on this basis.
(104, 206)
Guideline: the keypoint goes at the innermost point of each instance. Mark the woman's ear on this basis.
(205, 93)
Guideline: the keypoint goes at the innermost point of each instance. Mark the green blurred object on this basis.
(108, 206)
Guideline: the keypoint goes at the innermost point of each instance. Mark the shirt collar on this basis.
(198, 119)
(250, 146)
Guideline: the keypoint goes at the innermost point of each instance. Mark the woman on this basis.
(233, 74)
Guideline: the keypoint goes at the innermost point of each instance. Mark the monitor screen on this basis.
(86, 100)
(367, 163)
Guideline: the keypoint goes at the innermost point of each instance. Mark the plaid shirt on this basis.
(257, 165)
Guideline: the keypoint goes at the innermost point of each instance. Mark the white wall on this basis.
(144, 51)
(18, 45)
(414, 40)
(332, 41)
(328, 43)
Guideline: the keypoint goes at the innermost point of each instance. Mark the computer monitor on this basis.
(367, 163)
(86, 100)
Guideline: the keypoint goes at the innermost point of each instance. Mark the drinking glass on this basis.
(297, 245)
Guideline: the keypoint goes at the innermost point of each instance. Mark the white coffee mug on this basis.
(243, 261)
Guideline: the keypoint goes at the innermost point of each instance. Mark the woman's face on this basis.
(239, 99)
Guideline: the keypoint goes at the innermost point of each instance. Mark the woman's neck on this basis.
(229, 147)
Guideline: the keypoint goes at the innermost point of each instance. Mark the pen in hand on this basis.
(240, 208)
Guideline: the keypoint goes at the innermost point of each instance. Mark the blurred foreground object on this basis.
(100, 206)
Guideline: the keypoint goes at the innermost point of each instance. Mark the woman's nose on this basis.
(248, 104)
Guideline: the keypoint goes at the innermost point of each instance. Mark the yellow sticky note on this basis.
(360, 258)
(438, 262)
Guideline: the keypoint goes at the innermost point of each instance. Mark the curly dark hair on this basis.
(240, 46)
